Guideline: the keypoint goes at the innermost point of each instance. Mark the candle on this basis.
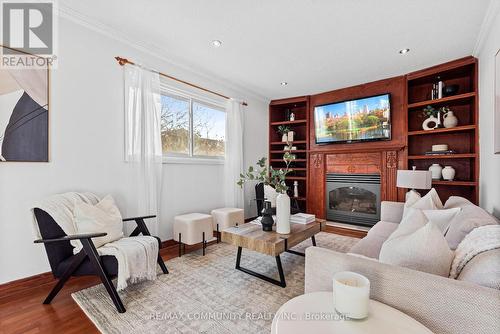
(351, 294)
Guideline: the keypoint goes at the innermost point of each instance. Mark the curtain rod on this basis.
(123, 61)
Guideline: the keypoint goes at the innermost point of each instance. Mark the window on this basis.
(191, 128)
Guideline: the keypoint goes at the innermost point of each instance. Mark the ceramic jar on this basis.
(283, 214)
(284, 138)
(450, 120)
(448, 173)
(436, 170)
(430, 123)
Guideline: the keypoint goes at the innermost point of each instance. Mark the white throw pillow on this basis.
(442, 218)
(413, 220)
(425, 250)
(430, 201)
(102, 217)
(412, 197)
(270, 195)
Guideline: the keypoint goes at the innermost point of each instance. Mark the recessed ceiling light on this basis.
(216, 43)
(284, 83)
(404, 51)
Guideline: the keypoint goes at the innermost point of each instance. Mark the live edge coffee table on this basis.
(251, 236)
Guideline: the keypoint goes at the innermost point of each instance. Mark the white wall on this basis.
(490, 162)
(86, 150)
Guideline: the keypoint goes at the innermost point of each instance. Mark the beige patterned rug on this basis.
(205, 294)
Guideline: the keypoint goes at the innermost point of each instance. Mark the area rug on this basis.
(205, 294)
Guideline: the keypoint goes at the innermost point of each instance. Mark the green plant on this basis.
(268, 175)
(282, 129)
(430, 111)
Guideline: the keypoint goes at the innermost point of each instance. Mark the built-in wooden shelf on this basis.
(455, 183)
(298, 198)
(296, 178)
(442, 130)
(296, 160)
(442, 100)
(297, 121)
(443, 156)
(291, 151)
(295, 142)
(298, 169)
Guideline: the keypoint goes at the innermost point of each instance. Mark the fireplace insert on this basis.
(353, 198)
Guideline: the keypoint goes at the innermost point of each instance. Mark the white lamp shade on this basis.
(414, 179)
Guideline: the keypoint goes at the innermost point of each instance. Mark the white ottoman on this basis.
(226, 217)
(192, 228)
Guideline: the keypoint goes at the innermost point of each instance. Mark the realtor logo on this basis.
(28, 27)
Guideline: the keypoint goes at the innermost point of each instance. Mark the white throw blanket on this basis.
(481, 239)
(136, 256)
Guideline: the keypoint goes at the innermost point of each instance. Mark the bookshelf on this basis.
(279, 112)
(464, 138)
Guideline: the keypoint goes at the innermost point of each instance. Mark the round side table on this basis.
(315, 313)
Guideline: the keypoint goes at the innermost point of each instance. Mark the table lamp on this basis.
(414, 179)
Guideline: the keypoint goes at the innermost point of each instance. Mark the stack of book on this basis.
(302, 218)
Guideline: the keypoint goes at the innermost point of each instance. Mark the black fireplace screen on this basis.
(353, 198)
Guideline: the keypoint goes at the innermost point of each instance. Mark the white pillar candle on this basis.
(351, 294)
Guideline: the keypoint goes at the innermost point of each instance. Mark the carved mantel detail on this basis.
(392, 160)
(317, 160)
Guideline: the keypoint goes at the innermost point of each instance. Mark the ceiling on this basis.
(314, 45)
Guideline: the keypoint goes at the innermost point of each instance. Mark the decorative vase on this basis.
(295, 189)
(283, 214)
(292, 117)
(267, 217)
(284, 138)
(448, 173)
(430, 123)
(450, 120)
(290, 135)
(436, 171)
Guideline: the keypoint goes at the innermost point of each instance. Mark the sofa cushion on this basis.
(370, 245)
(470, 217)
(425, 250)
(442, 218)
(483, 269)
(413, 220)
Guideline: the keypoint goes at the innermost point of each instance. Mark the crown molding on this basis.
(492, 12)
(81, 19)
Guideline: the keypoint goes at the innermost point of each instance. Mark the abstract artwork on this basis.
(24, 114)
(496, 129)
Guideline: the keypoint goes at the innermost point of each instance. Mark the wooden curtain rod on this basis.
(123, 61)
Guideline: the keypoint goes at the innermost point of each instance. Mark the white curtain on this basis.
(143, 139)
(233, 165)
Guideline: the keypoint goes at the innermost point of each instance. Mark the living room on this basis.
(250, 167)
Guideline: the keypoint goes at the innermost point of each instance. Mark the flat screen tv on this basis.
(363, 119)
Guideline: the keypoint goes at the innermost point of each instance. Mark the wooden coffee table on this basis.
(251, 236)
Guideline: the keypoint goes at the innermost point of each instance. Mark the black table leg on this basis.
(313, 239)
(281, 282)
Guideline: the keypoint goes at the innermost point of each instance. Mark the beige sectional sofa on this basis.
(469, 304)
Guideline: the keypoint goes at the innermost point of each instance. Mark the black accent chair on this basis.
(260, 198)
(65, 264)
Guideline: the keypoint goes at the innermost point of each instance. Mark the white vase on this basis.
(430, 123)
(290, 136)
(436, 171)
(450, 120)
(284, 138)
(283, 214)
(448, 173)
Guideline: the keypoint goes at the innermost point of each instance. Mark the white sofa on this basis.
(443, 305)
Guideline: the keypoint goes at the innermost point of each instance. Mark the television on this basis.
(364, 119)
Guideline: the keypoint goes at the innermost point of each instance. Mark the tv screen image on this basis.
(363, 119)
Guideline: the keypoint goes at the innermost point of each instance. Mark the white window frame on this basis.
(191, 158)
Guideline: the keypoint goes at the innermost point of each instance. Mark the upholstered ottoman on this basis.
(226, 217)
(191, 229)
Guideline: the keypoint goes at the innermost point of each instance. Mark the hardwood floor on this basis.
(22, 311)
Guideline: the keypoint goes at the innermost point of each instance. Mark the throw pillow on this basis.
(102, 217)
(414, 220)
(412, 197)
(442, 218)
(425, 250)
(430, 201)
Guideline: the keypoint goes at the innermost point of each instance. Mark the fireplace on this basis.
(353, 198)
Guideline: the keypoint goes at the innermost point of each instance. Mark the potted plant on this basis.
(283, 131)
(275, 178)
